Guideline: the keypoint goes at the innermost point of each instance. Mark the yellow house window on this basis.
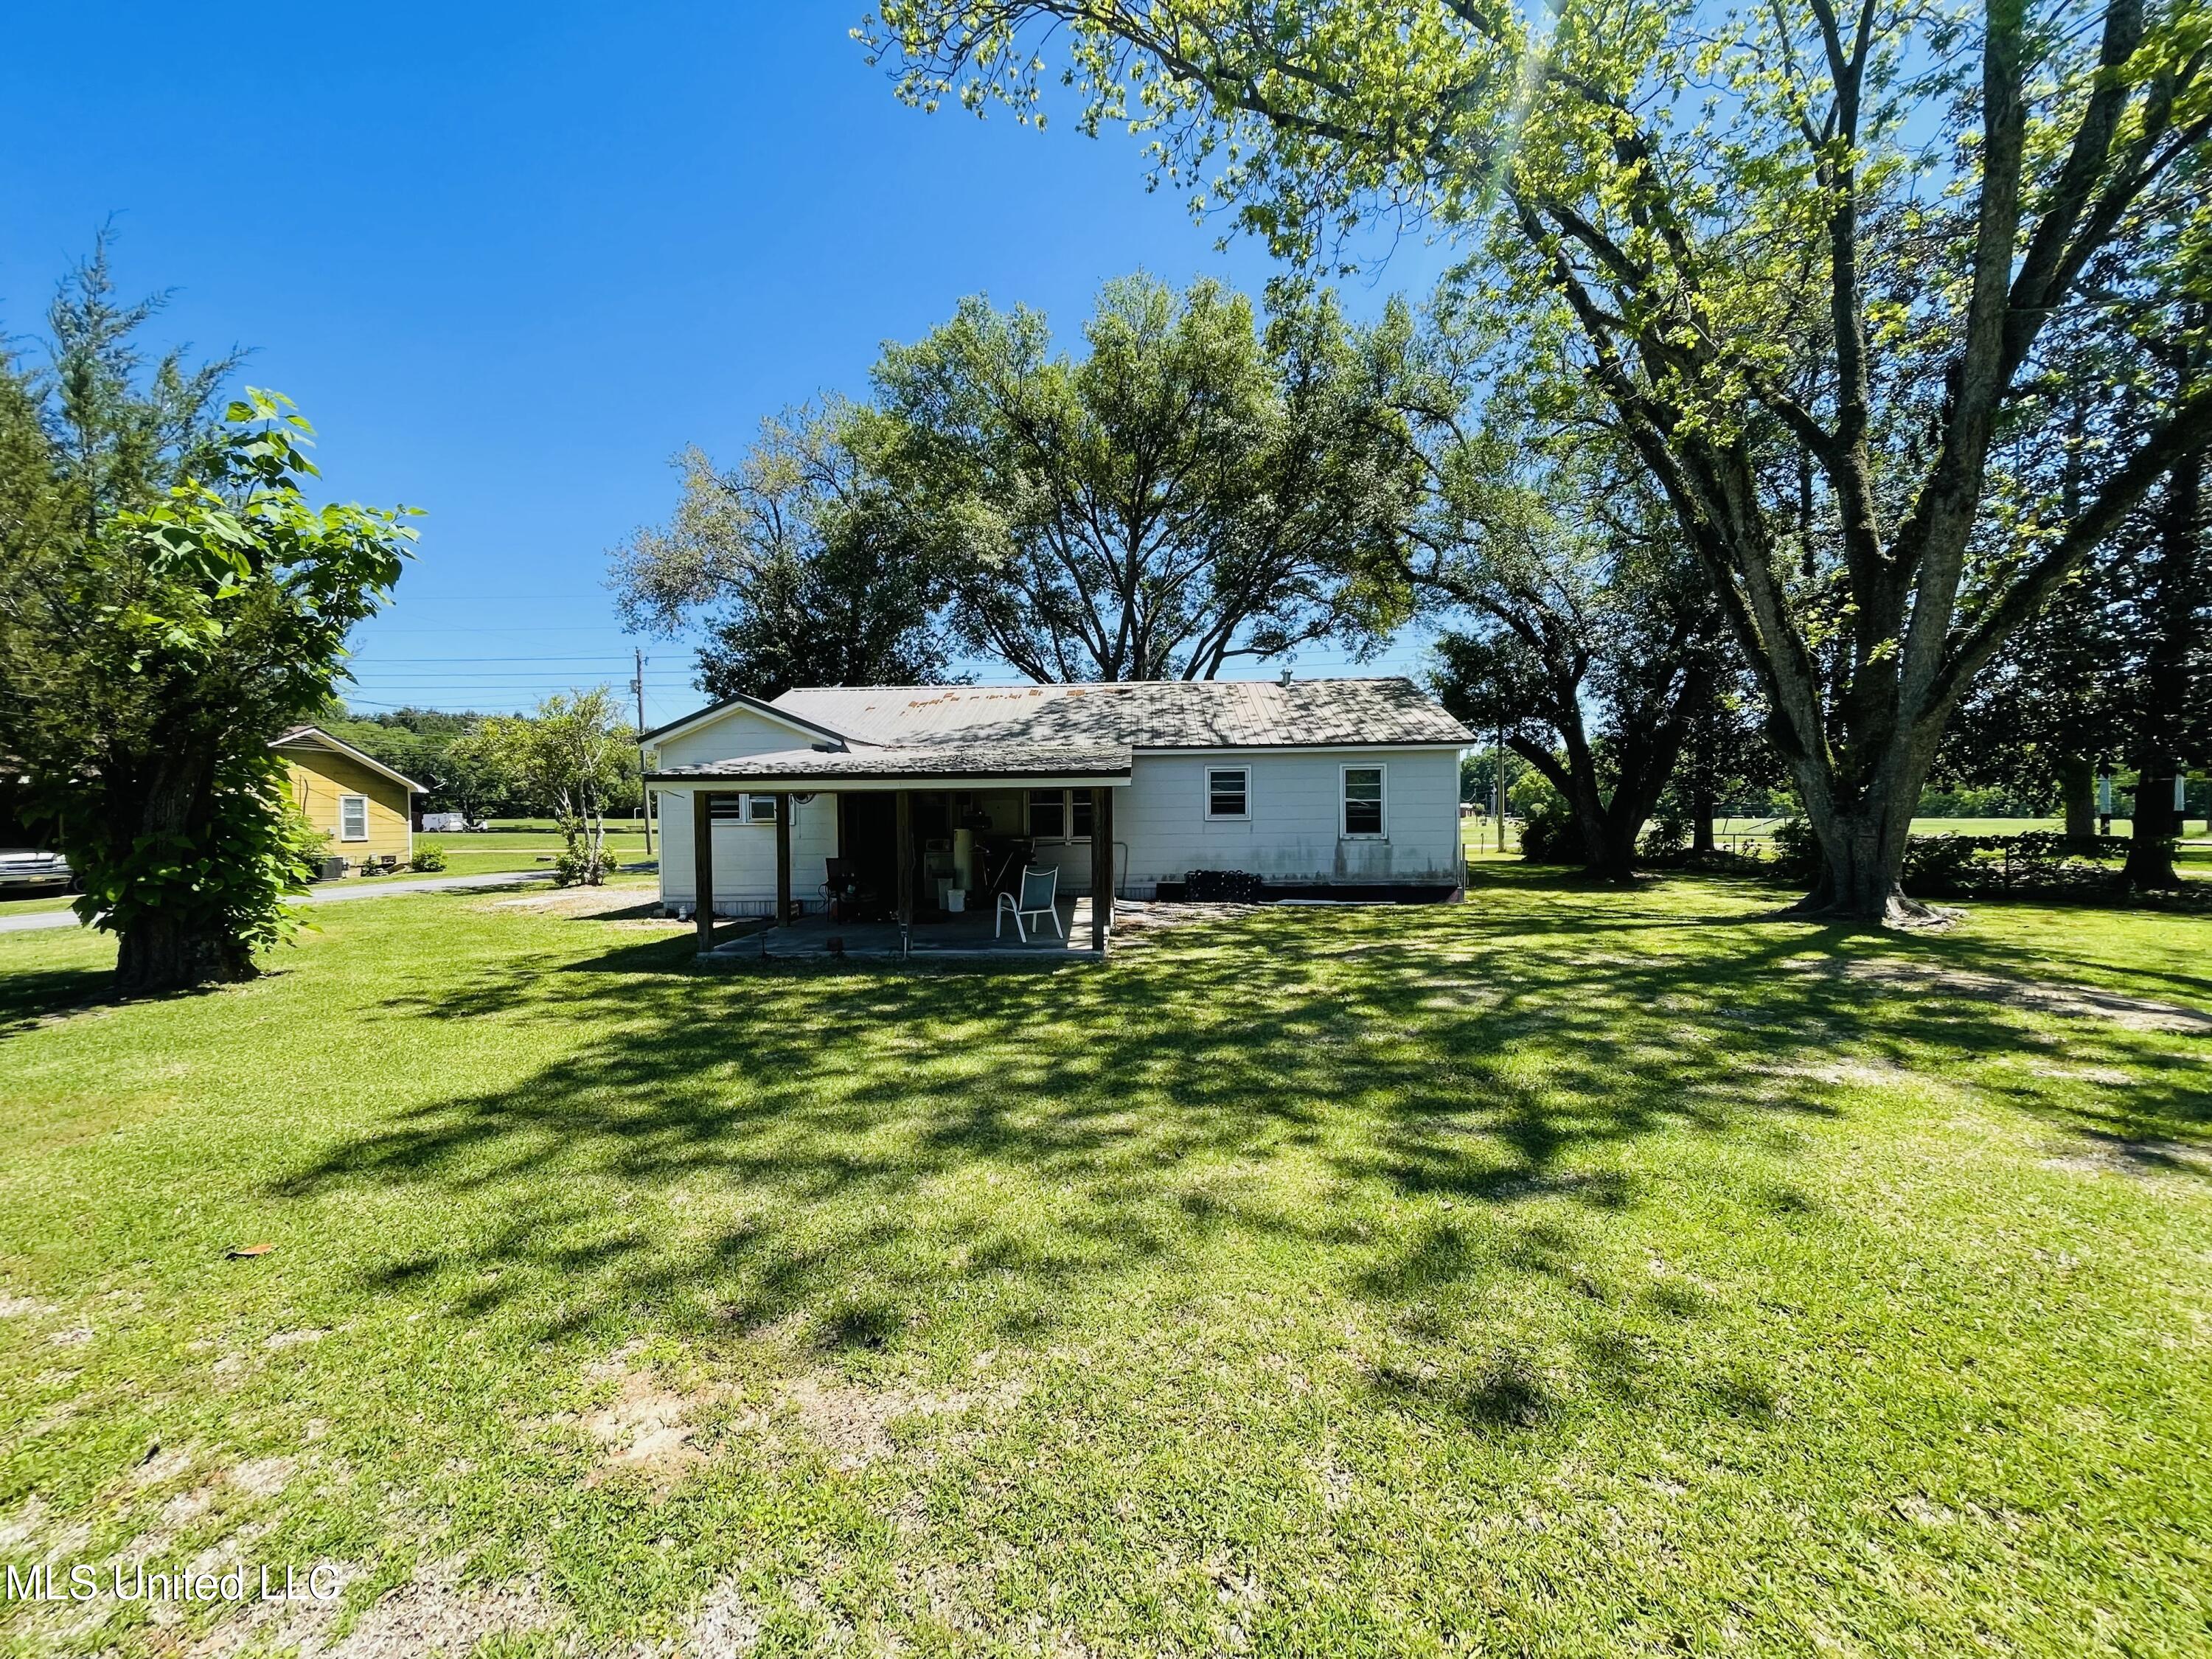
(353, 817)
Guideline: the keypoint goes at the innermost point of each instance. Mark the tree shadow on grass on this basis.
(886, 1154)
(29, 1000)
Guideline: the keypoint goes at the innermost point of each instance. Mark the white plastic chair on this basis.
(1039, 890)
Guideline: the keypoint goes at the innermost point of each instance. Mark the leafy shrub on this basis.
(1940, 864)
(1548, 835)
(1796, 852)
(429, 857)
(1666, 839)
(2044, 863)
(2040, 861)
(579, 866)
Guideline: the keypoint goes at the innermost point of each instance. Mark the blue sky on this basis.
(510, 258)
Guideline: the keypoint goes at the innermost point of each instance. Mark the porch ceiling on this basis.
(943, 765)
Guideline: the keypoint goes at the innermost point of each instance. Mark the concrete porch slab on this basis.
(816, 938)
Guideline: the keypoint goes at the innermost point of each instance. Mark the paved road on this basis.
(315, 896)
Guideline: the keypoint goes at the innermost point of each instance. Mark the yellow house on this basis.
(363, 806)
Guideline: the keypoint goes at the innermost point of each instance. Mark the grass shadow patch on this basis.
(29, 1000)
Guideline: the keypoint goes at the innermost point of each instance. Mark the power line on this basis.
(509, 595)
(534, 658)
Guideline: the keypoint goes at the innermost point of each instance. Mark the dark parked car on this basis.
(25, 869)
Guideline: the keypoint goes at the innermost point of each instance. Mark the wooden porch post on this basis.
(904, 843)
(702, 868)
(1101, 867)
(783, 860)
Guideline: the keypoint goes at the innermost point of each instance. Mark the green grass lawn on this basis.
(1565, 1272)
(491, 850)
(1480, 836)
(2195, 831)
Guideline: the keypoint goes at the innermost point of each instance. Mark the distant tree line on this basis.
(431, 746)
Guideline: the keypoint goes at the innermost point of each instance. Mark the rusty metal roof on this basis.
(1146, 714)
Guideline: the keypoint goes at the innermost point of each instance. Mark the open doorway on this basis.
(867, 839)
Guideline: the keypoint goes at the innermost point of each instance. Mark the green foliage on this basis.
(1796, 850)
(1549, 833)
(800, 563)
(1579, 624)
(1201, 486)
(1938, 864)
(2040, 863)
(1835, 271)
(1667, 837)
(429, 857)
(419, 743)
(229, 876)
(577, 864)
(171, 603)
(572, 758)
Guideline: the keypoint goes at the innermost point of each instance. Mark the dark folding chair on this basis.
(843, 895)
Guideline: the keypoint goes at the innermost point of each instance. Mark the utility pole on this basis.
(1498, 789)
(644, 789)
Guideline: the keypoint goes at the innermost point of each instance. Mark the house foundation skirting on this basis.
(1345, 892)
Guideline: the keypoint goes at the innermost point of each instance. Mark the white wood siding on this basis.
(738, 733)
(1293, 832)
(745, 855)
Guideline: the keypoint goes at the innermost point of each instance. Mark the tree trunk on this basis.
(1700, 710)
(1862, 856)
(1606, 853)
(2150, 867)
(169, 948)
(1617, 848)
(1862, 841)
(2077, 786)
(1701, 813)
(162, 950)
(2175, 603)
(1590, 828)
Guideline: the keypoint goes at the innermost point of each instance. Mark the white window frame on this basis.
(343, 802)
(1066, 837)
(754, 803)
(1206, 808)
(744, 813)
(1344, 801)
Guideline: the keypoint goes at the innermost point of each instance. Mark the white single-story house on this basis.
(1321, 787)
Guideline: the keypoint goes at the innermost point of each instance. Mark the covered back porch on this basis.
(906, 849)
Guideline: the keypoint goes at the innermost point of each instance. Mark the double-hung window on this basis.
(353, 817)
(1060, 814)
(1228, 791)
(1363, 802)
